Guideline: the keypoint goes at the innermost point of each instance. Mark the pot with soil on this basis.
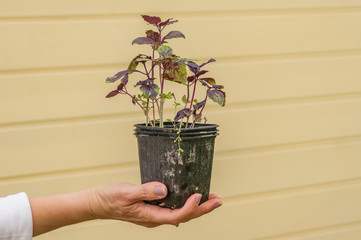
(183, 173)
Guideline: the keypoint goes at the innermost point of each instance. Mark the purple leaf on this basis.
(205, 84)
(151, 19)
(151, 90)
(193, 67)
(165, 23)
(186, 112)
(210, 81)
(112, 94)
(201, 73)
(125, 79)
(120, 87)
(218, 86)
(118, 75)
(199, 105)
(191, 78)
(171, 22)
(152, 35)
(209, 61)
(217, 96)
(143, 40)
(145, 82)
(174, 34)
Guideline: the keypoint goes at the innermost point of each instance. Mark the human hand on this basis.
(123, 201)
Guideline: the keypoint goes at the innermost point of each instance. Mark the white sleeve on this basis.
(16, 222)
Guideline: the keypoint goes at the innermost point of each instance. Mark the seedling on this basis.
(162, 64)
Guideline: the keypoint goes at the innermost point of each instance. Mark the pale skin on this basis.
(119, 201)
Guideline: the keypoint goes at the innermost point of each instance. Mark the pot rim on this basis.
(200, 130)
(168, 127)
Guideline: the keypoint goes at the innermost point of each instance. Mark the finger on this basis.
(186, 213)
(158, 215)
(212, 195)
(155, 214)
(208, 206)
(191, 209)
(148, 191)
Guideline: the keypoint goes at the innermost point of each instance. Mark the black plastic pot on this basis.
(184, 174)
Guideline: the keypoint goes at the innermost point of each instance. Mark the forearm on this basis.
(53, 212)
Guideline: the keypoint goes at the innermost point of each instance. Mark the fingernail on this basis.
(159, 190)
(218, 205)
(198, 199)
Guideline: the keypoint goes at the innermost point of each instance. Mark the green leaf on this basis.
(143, 59)
(166, 96)
(165, 51)
(184, 99)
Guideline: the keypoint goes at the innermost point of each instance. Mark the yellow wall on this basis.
(288, 160)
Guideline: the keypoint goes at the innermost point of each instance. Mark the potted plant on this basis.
(177, 151)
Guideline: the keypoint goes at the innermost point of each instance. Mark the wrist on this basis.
(95, 206)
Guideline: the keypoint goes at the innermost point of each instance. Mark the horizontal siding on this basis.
(87, 42)
(287, 161)
(10, 8)
(348, 231)
(52, 95)
(99, 142)
(344, 234)
(253, 172)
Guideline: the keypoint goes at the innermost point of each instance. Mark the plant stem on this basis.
(146, 71)
(161, 79)
(153, 112)
(161, 122)
(152, 70)
(160, 110)
(193, 95)
(187, 95)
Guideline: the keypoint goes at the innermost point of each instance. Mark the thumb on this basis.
(150, 191)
